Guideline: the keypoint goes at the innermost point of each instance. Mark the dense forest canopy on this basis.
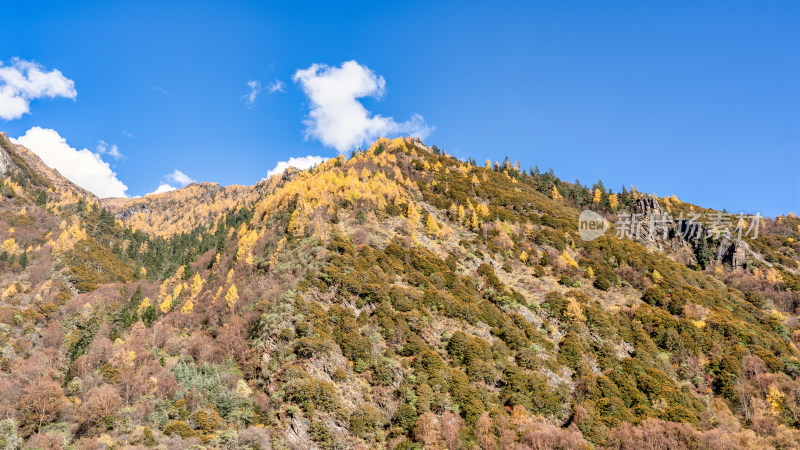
(398, 298)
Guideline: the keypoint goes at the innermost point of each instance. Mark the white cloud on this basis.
(24, 81)
(180, 178)
(302, 163)
(161, 189)
(104, 149)
(177, 177)
(128, 134)
(337, 118)
(255, 89)
(82, 167)
(277, 86)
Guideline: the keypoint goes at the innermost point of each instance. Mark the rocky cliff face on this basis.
(733, 251)
(5, 157)
(659, 229)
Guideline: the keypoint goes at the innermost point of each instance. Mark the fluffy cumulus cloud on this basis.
(83, 167)
(23, 81)
(161, 189)
(337, 118)
(179, 177)
(302, 163)
(176, 177)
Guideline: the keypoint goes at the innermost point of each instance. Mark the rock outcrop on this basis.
(733, 251)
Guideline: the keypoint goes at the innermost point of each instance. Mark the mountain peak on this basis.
(380, 299)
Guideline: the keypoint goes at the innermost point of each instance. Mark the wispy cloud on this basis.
(255, 89)
(160, 90)
(277, 86)
(83, 167)
(24, 81)
(337, 118)
(127, 134)
(111, 150)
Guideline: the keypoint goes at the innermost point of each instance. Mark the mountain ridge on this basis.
(397, 298)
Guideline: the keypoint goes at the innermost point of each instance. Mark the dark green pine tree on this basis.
(703, 253)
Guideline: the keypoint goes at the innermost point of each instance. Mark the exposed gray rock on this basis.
(648, 205)
(733, 251)
(651, 222)
(739, 255)
(5, 158)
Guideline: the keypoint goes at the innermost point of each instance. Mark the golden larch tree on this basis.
(432, 227)
(613, 201)
(232, 297)
(598, 196)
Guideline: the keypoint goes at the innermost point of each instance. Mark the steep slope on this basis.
(404, 298)
(24, 167)
(183, 210)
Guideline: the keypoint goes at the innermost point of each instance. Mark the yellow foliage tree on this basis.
(474, 224)
(231, 297)
(297, 223)
(144, 305)
(555, 194)
(10, 291)
(567, 260)
(10, 246)
(187, 307)
(166, 305)
(246, 243)
(775, 399)
(197, 285)
(613, 200)
(598, 196)
(574, 312)
(657, 276)
(432, 227)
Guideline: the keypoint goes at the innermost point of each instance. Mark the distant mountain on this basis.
(398, 298)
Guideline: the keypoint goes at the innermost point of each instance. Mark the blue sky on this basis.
(696, 99)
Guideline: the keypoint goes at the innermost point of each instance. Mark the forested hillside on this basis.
(396, 298)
